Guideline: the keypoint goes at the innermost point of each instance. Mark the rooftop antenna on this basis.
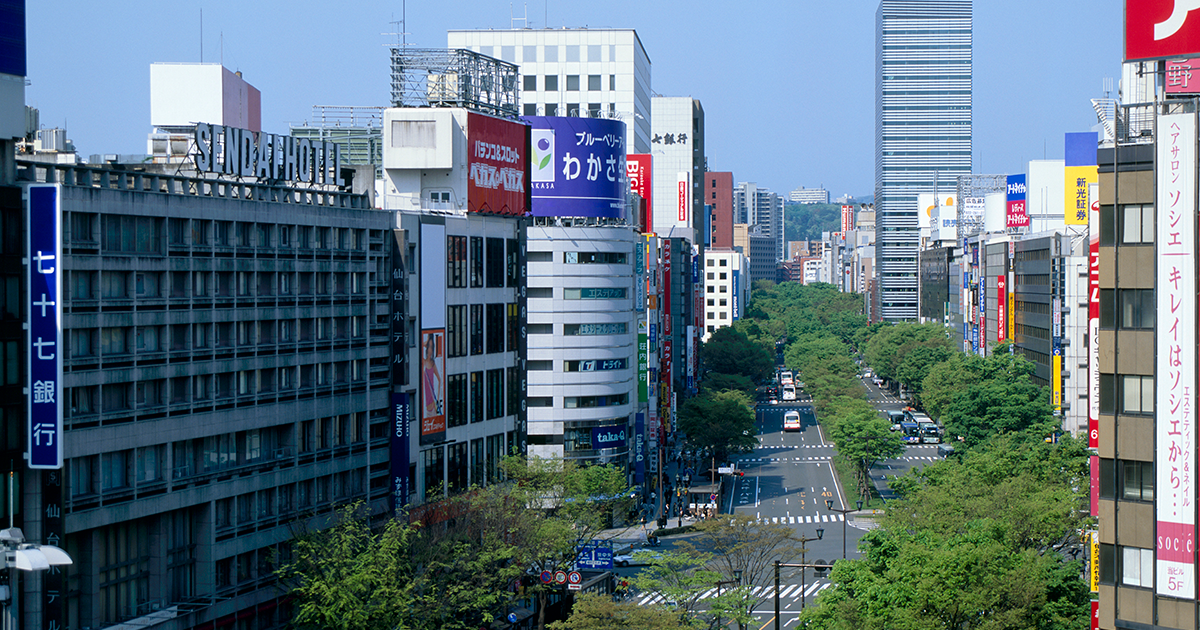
(512, 19)
(201, 34)
(401, 32)
(1108, 86)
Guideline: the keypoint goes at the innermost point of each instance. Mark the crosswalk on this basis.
(794, 446)
(752, 460)
(801, 520)
(786, 592)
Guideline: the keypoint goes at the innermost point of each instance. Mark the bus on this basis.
(789, 392)
(785, 377)
(927, 428)
(791, 421)
(912, 433)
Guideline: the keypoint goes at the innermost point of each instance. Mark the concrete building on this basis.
(922, 129)
(758, 206)
(804, 195)
(727, 288)
(677, 144)
(761, 250)
(718, 193)
(575, 72)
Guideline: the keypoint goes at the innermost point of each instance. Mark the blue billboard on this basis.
(577, 167)
(609, 437)
(737, 292)
(44, 305)
(595, 554)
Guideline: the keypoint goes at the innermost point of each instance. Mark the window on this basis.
(594, 294)
(551, 83)
(595, 110)
(456, 330)
(530, 83)
(573, 110)
(540, 329)
(476, 261)
(476, 329)
(514, 327)
(594, 82)
(1137, 224)
(551, 109)
(1137, 567)
(1137, 308)
(529, 109)
(572, 82)
(515, 377)
(605, 258)
(1137, 481)
(495, 328)
(612, 82)
(477, 396)
(495, 393)
(495, 263)
(580, 402)
(456, 400)
(435, 474)
(1137, 394)
(540, 292)
(1108, 225)
(456, 254)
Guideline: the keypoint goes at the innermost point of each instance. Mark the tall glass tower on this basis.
(922, 131)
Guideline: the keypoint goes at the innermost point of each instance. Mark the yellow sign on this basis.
(1094, 555)
(1056, 382)
(1075, 193)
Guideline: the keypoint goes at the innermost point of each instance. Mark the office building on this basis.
(804, 195)
(922, 130)
(677, 146)
(758, 206)
(718, 193)
(574, 72)
(759, 248)
(727, 288)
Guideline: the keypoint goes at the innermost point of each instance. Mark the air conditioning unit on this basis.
(442, 87)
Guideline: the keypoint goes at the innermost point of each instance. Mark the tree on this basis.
(720, 382)
(729, 351)
(917, 363)
(679, 577)
(719, 422)
(598, 612)
(1004, 400)
(948, 378)
(886, 351)
(863, 438)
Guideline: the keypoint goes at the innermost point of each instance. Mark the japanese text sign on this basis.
(577, 167)
(44, 304)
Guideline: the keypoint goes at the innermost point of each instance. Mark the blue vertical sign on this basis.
(44, 221)
(639, 449)
(398, 448)
(737, 293)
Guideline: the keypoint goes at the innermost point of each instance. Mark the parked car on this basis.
(637, 557)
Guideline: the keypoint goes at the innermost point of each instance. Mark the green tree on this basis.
(719, 422)
(1003, 401)
(720, 382)
(729, 351)
(886, 351)
(918, 362)
(598, 612)
(679, 577)
(863, 438)
(948, 378)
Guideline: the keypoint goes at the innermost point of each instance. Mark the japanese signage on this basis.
(639, 168)
(942, 204)
(1158, 29)
(52, 532)
(1175, 357)
(1079, 173)
(669, 138)
(595, 554)
(1093, 545)
(735, 299)
(1017, 215)
(643, 363)
(1179, 79)
(609, 437)
(683, 185)
(244, 153)
(44, 306)
(497, 164)
(1094, 332)
(577, 167)
(691, 352)
(639, 449)
(398, 448)
(1001, 309)
(1056, 352)
(432, 372)
(847, 219)
(639, 276)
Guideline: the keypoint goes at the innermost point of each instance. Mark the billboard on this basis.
(1178, 76)
(639, 449)
(736, 297)
(43, 304)
(1001, 309)
(609, 437)
(432, 373)
(639, 168)
(577, 167)
(927, 207)
(683, 193)
(398, 449)
(1158, 29)
(1017, 215)
(497, 166)
(847, 219)
(1175, 358)
(1079, 172)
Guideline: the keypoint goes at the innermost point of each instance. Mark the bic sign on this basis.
(1158, 29)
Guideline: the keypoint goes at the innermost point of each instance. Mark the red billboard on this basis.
(1001, 309)
(498, 166)
(847, 219)
(639, 170)
(1158, 29)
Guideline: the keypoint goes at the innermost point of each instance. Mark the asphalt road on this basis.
(915, 455)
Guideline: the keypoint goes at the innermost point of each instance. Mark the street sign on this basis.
(574, 580)
(595, 554)
(560, 577)
(547, 577)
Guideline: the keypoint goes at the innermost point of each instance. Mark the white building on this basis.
(809, 195)
(727, 281)
(582, 343)
(754, 205)
(575, 72)
(677, 146)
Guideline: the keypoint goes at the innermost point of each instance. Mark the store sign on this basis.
(497, 166)
(1001, 313)
(639, 449)
(1017, 215)
(609, 437)
(684, 189)
(244, 153)
(1175, 358)
(44, 354)
(1182, 76)
(399, 453)
(577, 167)
(1079, 173)
(640, 171)
(1161, 29)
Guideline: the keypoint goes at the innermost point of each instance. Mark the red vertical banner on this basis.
(1094, 337)
(1001, 309)
(1095, 615)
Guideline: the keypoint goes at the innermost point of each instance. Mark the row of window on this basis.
(473, 329)
(1134, 480)
(127, 340)
(154, 393)
(137, 234)
(455, 467)
(479, 261)
(1127, 224)
(1127, 308)
(1134, 565)
(286, 499)
(481, 395)
(124, 285)
(595, 82)
(594, 110)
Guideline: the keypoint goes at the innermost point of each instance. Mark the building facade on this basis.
(718, 193)
(727, 286)
(804, 195)
(922, 129)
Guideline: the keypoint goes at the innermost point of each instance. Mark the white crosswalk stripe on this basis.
(787, 592)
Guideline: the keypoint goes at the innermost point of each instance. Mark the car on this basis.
(774, 401)
(636, 557)
(868, 373)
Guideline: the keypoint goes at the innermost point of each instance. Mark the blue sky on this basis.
(786, 86)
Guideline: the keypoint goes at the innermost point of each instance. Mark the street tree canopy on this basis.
(599, 612)
(1003, 400)
(730, 351)
(721, 423)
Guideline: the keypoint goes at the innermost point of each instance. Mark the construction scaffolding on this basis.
(357, 129)
(435, 77)
(972, 191)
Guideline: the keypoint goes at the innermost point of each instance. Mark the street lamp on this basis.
(25, 556)
(843, 512)
(737, 579)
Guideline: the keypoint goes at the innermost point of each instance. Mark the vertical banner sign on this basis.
(44, 305)
(1094, 331)
(1093, 540)
(1016, 215)
(432, 374)
(399, 450)
(52, 532)
(398, 347)
(1001, 309)
(667, 371)
(639, 449)
(847, 219)
(736, 298)
(1175, 357)
(1079, 173)
(522, 420)
(691, 352)
(684, 192)
(1056, 353)
(643, 364)
(639, 276)
(639, 169)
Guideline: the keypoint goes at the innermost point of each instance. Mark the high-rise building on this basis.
(727, 282)
(758, 206)
(594, 73)
(922, 129)
(677, 144)
(718, 193)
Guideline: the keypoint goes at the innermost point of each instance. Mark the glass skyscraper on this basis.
(922, 130)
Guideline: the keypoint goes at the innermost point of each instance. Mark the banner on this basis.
(639, 449)
(43, 304)
(578, 167)
(1079, 172)
(1001, 310)
(398, 447)
(639, 168)
(1175, 358)
(1017, 215)
(497, 166)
